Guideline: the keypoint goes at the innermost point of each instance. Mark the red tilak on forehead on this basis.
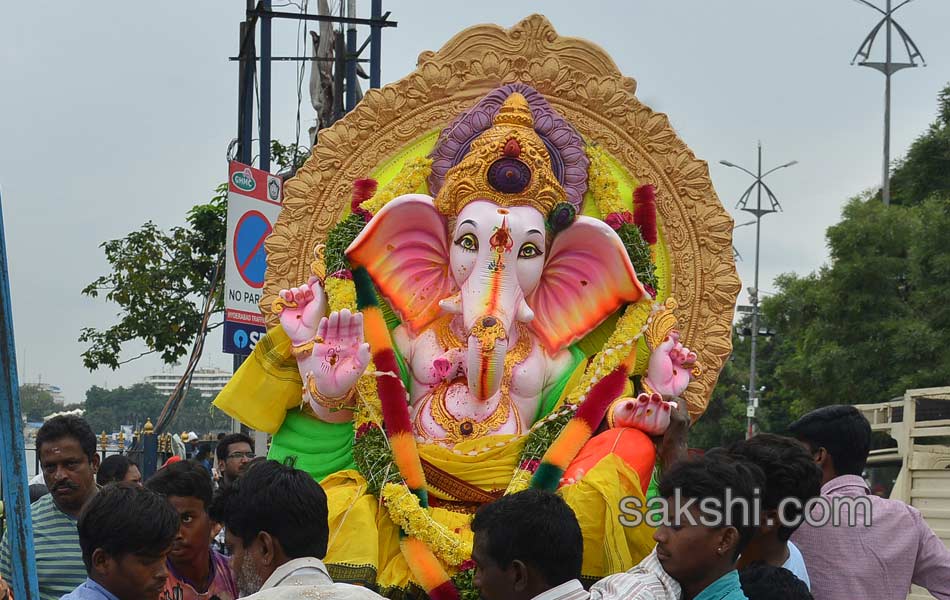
(501, 239)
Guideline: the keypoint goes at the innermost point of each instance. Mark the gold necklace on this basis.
(458, 430)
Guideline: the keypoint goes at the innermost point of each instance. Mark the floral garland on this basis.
(405, 511)
(410, 178)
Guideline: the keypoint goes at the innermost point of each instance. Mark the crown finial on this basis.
(515, 111)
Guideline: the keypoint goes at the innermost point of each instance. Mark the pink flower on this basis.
(530, 465)
(619, 219)
(467, 565)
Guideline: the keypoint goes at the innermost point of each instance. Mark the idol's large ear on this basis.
(405, 250)
(587, 276)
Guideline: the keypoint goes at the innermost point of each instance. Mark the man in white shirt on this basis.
(275, 519)
(791, 479)
(528, 546)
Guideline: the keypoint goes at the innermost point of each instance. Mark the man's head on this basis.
(67, 448)
(707, 544)
(789, 471)
(765, 582)
(187, 486)
(125, 532)
(233, 452)
(118, 467)
(839, 438)
(272, 514)
(525, 544)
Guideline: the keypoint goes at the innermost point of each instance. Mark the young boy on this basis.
(125, 533)
(790, 472)
(708, 521)
(196, 572)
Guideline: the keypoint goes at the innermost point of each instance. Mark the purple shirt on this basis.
(872, 563)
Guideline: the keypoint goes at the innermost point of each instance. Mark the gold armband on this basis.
(306, 349)
(341, 403)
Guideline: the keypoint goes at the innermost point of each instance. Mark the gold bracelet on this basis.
(332, 404)
(306, 349)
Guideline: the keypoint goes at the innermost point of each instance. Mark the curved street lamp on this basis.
(757, 185)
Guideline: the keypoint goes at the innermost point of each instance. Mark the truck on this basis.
(914, 467)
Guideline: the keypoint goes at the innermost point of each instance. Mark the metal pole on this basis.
(886, 185)
(750, 431)
(16, 499)
(375, 45)
(248, 63)
(265, 88)
(350, 57)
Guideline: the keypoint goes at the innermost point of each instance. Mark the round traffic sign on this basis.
(249, 235)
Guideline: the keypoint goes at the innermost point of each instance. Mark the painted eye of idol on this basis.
(529, 250)
(468, 242)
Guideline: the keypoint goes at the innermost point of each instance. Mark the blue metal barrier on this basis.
(16, 497)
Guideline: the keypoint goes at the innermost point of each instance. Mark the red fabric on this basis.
(644, 212)
(632, 445)
(605, 391)
(392, 395)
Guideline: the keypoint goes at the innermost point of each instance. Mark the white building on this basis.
(55, 391)
(208, 381)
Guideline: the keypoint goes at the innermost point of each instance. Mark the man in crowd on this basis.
(528, 545)
(125, 533)
(234, 451)
(68, 459)
(698, 547)
(875, 558)
(276, 522)
(761, 581)
(790, 473)
(118, 467)
(196, 572)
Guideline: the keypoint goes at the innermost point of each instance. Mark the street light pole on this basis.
(758, 212)
(888, 68)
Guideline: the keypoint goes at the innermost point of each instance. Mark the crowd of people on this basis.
(261, 531)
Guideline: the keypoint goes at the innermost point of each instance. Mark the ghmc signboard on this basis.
(254, 201)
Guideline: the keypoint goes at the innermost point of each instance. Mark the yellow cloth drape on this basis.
(266, 386)
(364, 540)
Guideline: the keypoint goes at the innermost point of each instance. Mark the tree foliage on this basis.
(870, 324)
(36, 403)
(107, 410)
(159, 280)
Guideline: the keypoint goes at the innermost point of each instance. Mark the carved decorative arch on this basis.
(582, 83)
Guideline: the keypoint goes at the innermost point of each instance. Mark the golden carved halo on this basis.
(582, 83)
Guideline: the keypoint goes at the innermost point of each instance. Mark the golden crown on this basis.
(508, 164)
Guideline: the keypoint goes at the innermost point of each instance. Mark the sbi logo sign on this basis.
(242, 340)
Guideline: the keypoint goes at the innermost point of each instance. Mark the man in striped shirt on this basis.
(67, 449)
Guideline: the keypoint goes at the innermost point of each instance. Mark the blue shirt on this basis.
(726, 587)
(89, 590)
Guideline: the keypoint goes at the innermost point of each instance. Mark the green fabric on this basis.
(554, 394)
(318, 448)
(58, 557)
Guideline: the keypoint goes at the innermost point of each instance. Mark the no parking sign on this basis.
(254, 200)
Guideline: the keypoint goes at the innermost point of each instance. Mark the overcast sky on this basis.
(116, 113)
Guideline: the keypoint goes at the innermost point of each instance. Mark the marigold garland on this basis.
(412, 175)
(601, 183)
(341, 293)
(405, 511)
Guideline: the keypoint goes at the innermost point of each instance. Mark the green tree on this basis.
(107, 410)
(925, 171)
(36, 403)
(160, 278)
(197, 414)
(875, 320)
